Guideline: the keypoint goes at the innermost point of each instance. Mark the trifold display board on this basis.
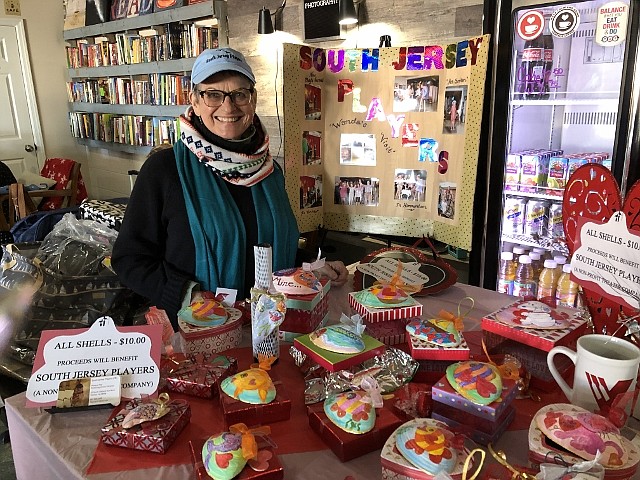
(385, 140)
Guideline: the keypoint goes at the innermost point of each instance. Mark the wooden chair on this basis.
(21, 200)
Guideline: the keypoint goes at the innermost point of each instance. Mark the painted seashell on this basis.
(338, 339)
(296, 281)
(351, 411)
(436, 331)
(390, 294)
(428, 447)
(222, 456)
(479, 382)
(204, 313)
(250, 386)
(584, 433)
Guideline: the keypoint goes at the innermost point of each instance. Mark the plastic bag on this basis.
(76, 247)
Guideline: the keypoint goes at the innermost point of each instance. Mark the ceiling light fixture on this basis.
(347, 13)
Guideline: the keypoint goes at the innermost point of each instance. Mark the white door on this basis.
(21, 145)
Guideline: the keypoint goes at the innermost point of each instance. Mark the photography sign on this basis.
(607, 259)
(321, 20)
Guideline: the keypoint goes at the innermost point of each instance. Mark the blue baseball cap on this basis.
(216, 60)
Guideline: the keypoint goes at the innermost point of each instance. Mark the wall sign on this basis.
(321, 20)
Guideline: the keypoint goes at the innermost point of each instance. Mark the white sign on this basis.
(611, 25)
(607, 258)
(385, 268)
(99, 351)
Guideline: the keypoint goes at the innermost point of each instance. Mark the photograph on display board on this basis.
(410, 185)
(310, 191)
(312, 102)
(447, 200)
(311, 148)
(455, 104)
(73, 393)
(358, 149)
(356, 191)
(415, 94)
(428, 150)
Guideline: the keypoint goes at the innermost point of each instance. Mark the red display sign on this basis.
(530, 25)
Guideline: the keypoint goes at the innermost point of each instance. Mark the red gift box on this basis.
(373, 315)
(156, 436)
(305, 312)
(234, 411)
(286, 336)
(338, 361)
(532, 359)
(198, 376)
(443, 392)
(212, 339)
(430, 371)
(412, 400)
(423, 350)
(389, 333)
(275, 471)
(500, 322)
(348, 446)
(466, 426)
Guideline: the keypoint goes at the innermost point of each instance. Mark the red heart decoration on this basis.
(223, 459)
(592, 192)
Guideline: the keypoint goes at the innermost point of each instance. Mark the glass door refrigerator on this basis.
(563, 92)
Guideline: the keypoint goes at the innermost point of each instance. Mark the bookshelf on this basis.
(129, 78)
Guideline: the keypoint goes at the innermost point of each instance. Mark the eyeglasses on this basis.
(215, 98)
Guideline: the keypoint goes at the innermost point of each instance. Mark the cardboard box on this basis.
(372, 315)
(234, 411)
(275, 471)
(338, 361)
(348, 446)
(478, 436)
(212, 339)
(156, 436)
(443, 392)
(198, 377)
(423, 350)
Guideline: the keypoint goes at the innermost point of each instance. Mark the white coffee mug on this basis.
(605, 366)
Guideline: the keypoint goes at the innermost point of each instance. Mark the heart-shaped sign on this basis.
(593, 193)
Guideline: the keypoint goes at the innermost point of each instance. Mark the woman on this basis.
(453, 113)
(198, 209)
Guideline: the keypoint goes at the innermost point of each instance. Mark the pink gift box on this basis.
(155, 436)
(389, 333)
(373, 315)
(198, 377)
(443, 392)
(212, 339)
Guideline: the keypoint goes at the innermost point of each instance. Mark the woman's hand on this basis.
(334, 271)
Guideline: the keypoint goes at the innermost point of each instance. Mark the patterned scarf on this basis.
(236, 168)
(216, 223)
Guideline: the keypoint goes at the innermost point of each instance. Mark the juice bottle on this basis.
(523, 282)
(567, 289)
(506, 273)
(543, 252)
(560, 261)
(537, 266)
(547, 281)
(518, 250)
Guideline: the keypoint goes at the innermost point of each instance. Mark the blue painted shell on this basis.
(222, 456)
(428, 446)
(338, 339)
(351, 411)
(445, 335)
(479, 382)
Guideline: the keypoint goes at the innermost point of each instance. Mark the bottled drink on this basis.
(523, 282)
(567, 289)
(506, 273)
(547, 281)
(560, 261)
(517, 251)
(532, 71)
(536, 266)
(547, 43)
